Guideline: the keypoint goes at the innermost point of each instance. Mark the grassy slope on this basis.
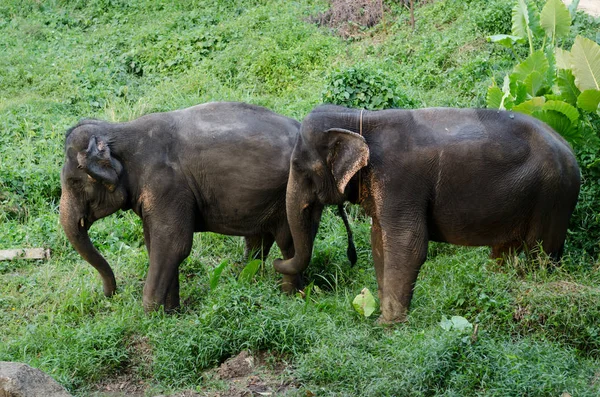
(538, 333)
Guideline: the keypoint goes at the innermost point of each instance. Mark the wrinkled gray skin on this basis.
(219, 167)
(461, 176)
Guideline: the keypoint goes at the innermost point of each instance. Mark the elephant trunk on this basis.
(303, 217)
(76, 229)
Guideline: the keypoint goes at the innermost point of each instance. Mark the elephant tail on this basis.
(351, 251)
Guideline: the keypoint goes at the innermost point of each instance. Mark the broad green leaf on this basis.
(249, 271)
(564, 108)
(506, 40)
(589, 100)
(494, 97)
(567, 87)
(535, 62)
(559, 123)
(525, 21)
(507, 98)
(530, 106)
(446, 323)
(216, 274)
(518, 89)
(520, 19)
(585, 63)
(563, 58)
(364, 303)
(458, 323)
(555, 19)
(534, 83)
(551, 73)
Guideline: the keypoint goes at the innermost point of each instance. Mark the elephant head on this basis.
(92, 188)
(323, 162)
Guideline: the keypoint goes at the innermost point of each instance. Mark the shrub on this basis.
(360, 87)
(496, 19)
(559, 87)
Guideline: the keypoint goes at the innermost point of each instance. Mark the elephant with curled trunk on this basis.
(461, 176)
(220, 167)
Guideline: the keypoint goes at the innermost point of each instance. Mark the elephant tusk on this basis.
(82, 222)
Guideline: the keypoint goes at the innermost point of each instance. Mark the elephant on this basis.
(219, 167)
(471, 177)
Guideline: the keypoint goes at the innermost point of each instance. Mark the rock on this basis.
(21, 380)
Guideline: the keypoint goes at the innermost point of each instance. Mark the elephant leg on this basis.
(290, 283)
(170, 244)
(377, 249)
(404, 252)
(172, 300)
(258, 246)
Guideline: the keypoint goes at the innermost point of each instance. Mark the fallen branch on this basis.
(24, 253)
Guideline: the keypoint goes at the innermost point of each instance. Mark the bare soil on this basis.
(592, 7)
(244, 375)
(348, 18)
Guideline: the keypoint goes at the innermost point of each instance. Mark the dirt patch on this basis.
(126, 385)
(592, 7)
(254, 375)
(244, 375)
(348, 18)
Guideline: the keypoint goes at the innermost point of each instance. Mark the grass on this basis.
(538, 330)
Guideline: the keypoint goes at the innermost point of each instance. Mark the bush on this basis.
(360, 87)
(496, 19)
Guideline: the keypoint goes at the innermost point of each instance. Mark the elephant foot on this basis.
(291, 283)
(387, 322)
(392, 312)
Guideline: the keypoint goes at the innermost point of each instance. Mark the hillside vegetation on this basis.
(533, 326)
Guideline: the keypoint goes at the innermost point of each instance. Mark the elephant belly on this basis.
(239, 219)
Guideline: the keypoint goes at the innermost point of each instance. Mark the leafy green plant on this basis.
(250, 270)
(557, 86)
(361, 87)
(562, 88)
(364, 303)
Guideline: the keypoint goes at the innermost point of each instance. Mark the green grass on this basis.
(538, 331)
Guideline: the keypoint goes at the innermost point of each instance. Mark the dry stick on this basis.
(24, 253)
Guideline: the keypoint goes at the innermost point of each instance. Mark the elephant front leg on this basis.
(169, 246)
(404, 252)
(172, 300)
(290, 283)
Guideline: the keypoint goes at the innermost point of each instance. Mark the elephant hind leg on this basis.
(258, 246)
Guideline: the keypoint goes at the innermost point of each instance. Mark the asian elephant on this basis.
(220, 167)
(471, 177)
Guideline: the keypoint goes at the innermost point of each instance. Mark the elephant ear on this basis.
(348, 153)
(99, 164)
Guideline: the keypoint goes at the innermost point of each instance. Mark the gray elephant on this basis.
(220, 167)
(461, 176)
